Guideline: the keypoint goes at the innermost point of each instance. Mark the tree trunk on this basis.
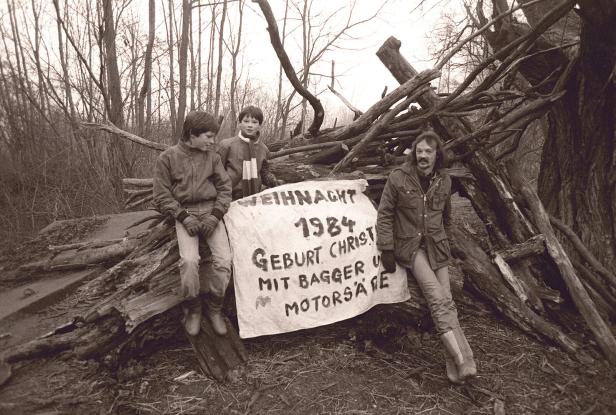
(119, 164)
(116, 115)
(234, 56)
(221, 33)
(578, 165)
(172, 108)
(183, 62)
(143, 126)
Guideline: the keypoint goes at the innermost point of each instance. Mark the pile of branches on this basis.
(523, 246)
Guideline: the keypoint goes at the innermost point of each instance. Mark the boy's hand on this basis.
(208, 224)
(191, 224)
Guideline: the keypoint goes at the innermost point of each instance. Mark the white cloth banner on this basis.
(304, 255)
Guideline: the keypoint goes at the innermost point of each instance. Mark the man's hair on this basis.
(433, 140)
(198, 122)
(251, 111)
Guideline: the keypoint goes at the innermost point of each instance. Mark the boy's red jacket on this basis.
(185, 176)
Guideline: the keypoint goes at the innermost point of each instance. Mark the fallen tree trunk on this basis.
(81, 259)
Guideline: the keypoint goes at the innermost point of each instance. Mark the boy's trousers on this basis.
(218, 274)
(436, 290)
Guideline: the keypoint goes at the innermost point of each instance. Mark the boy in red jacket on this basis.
(191, 184)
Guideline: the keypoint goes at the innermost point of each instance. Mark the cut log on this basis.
(534, 246)
(84, 258)
(82, 245)
(329, 155)
(218, 355)
(516, 285)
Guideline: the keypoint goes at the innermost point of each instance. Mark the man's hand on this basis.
(191, 224)
(388, 261)
(208, 224)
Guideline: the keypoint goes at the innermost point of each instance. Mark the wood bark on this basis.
(534, 246)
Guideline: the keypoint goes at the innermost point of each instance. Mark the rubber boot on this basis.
(453, 359)
(468, 368)
(214, 313)
(192, 315)
(452, 370)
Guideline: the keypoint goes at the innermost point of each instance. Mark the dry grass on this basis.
(329, 370)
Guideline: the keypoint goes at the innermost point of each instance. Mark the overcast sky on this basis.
(361, 76)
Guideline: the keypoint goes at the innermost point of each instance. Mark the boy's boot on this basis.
(453, 357)
(468, 368)
(214, 313)
(192, 315)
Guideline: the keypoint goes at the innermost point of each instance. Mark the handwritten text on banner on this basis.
(304, 255)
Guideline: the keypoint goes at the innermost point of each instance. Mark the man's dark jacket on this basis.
(406, 215)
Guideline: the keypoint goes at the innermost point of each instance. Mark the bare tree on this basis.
(183, 63)
(172, 108)
(320, 33)
(221, 33)
(145, 94)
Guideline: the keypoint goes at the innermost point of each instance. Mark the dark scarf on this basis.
(250, 174)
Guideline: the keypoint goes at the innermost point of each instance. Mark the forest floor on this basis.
(333, 369)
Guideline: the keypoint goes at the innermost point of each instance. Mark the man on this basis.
(413, 214)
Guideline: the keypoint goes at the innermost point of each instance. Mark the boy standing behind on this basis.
(191, 184)
(245, 156)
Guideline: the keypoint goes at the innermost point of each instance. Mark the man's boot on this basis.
(192, 315)
(214, 312)
(453, 357)
(468, 368)
(452, 370)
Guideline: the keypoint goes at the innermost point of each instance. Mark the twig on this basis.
(350, 106)
(111, 128)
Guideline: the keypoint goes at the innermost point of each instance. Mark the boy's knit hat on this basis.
(199, 121)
